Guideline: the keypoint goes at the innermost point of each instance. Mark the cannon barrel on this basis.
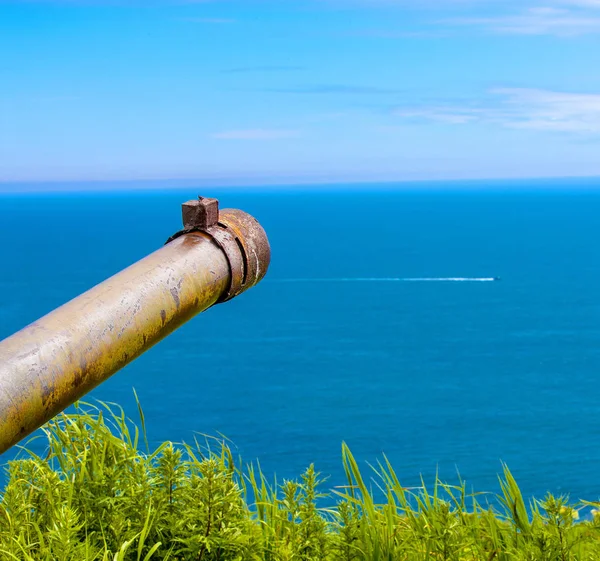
(53, 362)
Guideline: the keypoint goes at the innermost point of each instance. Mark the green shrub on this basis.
(96, 496)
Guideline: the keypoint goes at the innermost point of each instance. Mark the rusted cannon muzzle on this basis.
(238, 234)
(254, 246)
(56, 360)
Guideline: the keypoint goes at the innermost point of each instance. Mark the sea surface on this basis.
(449, 375)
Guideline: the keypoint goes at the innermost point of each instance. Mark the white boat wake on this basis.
(392, 279)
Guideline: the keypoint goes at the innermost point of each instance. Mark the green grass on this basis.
(96, 495)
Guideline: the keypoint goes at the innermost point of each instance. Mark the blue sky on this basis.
(252, 91)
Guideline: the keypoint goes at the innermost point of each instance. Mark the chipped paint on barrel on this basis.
(56, 360)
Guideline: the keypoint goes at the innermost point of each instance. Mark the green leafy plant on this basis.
(96, 496)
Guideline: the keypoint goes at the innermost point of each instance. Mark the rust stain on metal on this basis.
(201, 214)
(77, 379)
(252, 242)
(53, 362)
(47, 392)
(175, 296)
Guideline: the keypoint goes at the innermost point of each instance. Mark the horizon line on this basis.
(154, 184)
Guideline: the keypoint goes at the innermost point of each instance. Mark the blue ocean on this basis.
(447, 376)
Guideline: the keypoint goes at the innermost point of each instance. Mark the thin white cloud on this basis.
(460, 5)
(412, 4)
(548, 110)
(256, 134)
(441, 114)
(582, 3)
(567, 18)
(540, 20)
(520, 108)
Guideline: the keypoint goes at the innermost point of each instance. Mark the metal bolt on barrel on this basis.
(56, 360)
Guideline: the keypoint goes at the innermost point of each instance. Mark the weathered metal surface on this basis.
(238, 234)
(253, 243)
(201, 214)
(56, 360)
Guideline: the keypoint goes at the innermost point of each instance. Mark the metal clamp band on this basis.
(202, 216)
